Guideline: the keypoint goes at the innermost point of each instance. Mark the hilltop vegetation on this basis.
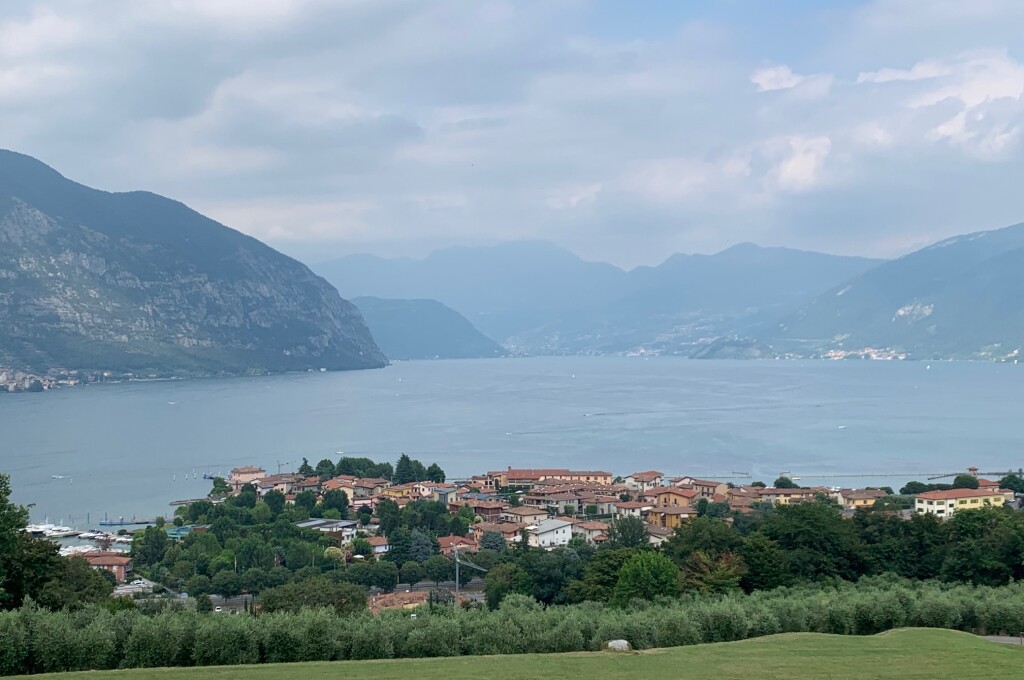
(898, 655)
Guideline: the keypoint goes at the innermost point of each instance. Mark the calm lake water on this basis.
(126, 449)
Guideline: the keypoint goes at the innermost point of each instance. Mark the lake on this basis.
(127, 449)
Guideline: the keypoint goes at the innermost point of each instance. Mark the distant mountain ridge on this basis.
(961, 297)
(134, 282)
(538, 298)
(424, 329)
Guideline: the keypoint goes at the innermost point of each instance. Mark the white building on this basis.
(549, 534)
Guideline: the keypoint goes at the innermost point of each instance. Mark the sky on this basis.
(624, 131)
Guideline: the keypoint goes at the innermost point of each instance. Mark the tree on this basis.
(438, 568)
(645, 576)
(75, 585)
(220, 487)
(360, 546)
(404, 471)
(334, 555)
(817, 540)
(325, 469)
(421, 547)
(600, 576)
(412, 572)
(305, 499)
(703, 534)
(1014, 483)
(711, 575)
(759, 485)
(505, 579)
(275, 501)
(767, 566)
(390, 516)
(204, 604)
(965, 482)
(435, 473)
(336, 499)
(344, 598)
(26, 563)
(398, 546)
(150, 546)
(627, 532)
(306, 470)
(226, 584)
(492, 540)
(784, 482)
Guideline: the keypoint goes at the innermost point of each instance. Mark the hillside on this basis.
(424, 329)
(134, 282)
(958, 298)
(908, 654)
(540, 299)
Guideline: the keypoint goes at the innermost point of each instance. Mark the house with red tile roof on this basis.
(946, 503)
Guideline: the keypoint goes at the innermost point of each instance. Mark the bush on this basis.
(226, 641)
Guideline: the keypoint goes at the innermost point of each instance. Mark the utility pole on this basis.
(458, 562)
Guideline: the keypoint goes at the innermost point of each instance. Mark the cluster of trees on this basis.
(405, 470)
(37, 641)
(1012, 482)
(252, 545)
(31, 568)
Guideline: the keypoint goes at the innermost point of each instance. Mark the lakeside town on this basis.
(543, 508)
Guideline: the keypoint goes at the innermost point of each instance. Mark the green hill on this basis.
(907, 654)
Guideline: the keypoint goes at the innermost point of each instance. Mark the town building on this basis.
(705, 488)
(946, 503)
(118, 564)
(855, 499)
(593, 532)
(247, 474)
(644, 481)
(523, 514)
(449, 544)
(549, 534)
(527, 477)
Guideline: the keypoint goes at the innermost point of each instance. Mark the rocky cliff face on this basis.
(139, 283)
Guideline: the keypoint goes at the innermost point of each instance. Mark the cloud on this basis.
(398, 126)
(775, 78)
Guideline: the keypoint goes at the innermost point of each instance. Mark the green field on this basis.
(907, 654)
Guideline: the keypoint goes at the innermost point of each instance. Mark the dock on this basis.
(122, 522)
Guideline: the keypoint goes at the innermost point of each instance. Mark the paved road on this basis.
(1006, 639)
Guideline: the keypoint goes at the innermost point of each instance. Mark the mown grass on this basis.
(907, 654)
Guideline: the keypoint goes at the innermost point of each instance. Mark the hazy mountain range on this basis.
(960, 298)
(537, 298)
(135, 282)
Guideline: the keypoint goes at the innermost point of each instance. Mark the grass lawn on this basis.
(908, 654)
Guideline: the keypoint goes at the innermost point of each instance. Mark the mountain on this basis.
(538, 298)
(689, 301)
(501, 289)
(424, 329)
(962, 297)
(134, 282)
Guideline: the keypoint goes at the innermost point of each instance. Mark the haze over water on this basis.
(126, 449)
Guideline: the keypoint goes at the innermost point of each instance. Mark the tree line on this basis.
(39, 641)
(404, 471)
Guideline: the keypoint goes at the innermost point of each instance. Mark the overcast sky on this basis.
(622, 130)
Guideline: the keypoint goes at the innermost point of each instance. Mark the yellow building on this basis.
(945, 503)
(670, 517)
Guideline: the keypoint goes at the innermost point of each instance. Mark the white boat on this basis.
(61, 532)
(39, 529)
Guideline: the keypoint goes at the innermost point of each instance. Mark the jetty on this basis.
(122, 522)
